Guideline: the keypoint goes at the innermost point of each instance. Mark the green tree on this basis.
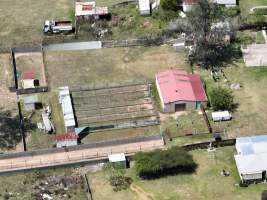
(173, 5)
(221, 99)
(163, 162)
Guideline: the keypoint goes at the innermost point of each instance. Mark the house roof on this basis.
(89, 8)
(252, 154)
(177, 85)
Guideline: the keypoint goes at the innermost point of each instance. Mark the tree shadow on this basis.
(9, 130)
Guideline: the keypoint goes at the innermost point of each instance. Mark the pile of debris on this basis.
(56, 187)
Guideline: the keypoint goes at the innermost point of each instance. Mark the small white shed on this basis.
(221, 116)
(144, 7)
(118, 158)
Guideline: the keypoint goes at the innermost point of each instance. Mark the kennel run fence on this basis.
(117, 107)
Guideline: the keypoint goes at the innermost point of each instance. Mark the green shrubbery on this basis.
(222, 99)
(163, 162)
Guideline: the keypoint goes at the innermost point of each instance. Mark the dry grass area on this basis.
(21, 21)
(205, 184)
(31, 62)
(7, 99)
(120, 134)
(107, 66)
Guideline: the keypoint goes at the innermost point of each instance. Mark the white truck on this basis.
(57, 27)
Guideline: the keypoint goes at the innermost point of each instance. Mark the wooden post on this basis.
(206, 118)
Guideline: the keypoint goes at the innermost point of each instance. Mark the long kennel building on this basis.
(179, 91)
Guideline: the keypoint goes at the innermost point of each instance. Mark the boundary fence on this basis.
(204, 145)
(83, 146)
(88, 190)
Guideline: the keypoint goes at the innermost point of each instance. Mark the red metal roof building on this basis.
(179, 90)
(67, 139)
(27, 75)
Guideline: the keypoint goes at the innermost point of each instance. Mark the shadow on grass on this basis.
(171, 172)
(9, 130)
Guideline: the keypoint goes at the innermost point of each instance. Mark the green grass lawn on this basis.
(260, 38)
(205, 184)
(250, 116)
(246, 5)
(132, 25)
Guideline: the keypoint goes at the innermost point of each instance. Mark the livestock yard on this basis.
(115, 107)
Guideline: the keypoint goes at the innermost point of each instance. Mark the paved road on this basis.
(76, 156)
(73, 46)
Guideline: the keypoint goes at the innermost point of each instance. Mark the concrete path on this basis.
(255, 7)
(74, 46)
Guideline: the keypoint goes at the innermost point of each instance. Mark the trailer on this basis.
(57, 27)
(221, 116)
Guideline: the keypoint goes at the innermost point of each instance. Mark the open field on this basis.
(106, 66)
(205, 184)
(26, 185)
(21, 21)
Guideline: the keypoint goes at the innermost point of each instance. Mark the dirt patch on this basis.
(142, 195)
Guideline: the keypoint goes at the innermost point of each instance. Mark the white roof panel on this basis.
(117, 157)
(144, 5)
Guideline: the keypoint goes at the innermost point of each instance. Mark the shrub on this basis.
(264, 195)
(173, 5)
(116, 177)
(221, 99)
(163, 162)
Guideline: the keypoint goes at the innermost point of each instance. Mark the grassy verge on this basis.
(260, 38)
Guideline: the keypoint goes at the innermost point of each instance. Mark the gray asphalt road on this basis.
(74, 46)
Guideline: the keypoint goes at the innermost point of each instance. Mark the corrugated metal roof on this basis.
(66, 105)
(30, 99)
(144, 5)
(27, 75)
(117, 157)
(66, 136)
(177, 85)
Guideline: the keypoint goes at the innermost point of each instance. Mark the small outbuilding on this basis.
(221, 116)
(30, 102)
(144, 7)
(119, 159)
(67, 110)
(251, 158)
(66, 140)
(179, 91)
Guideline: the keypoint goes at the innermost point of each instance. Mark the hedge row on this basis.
(163, 162)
